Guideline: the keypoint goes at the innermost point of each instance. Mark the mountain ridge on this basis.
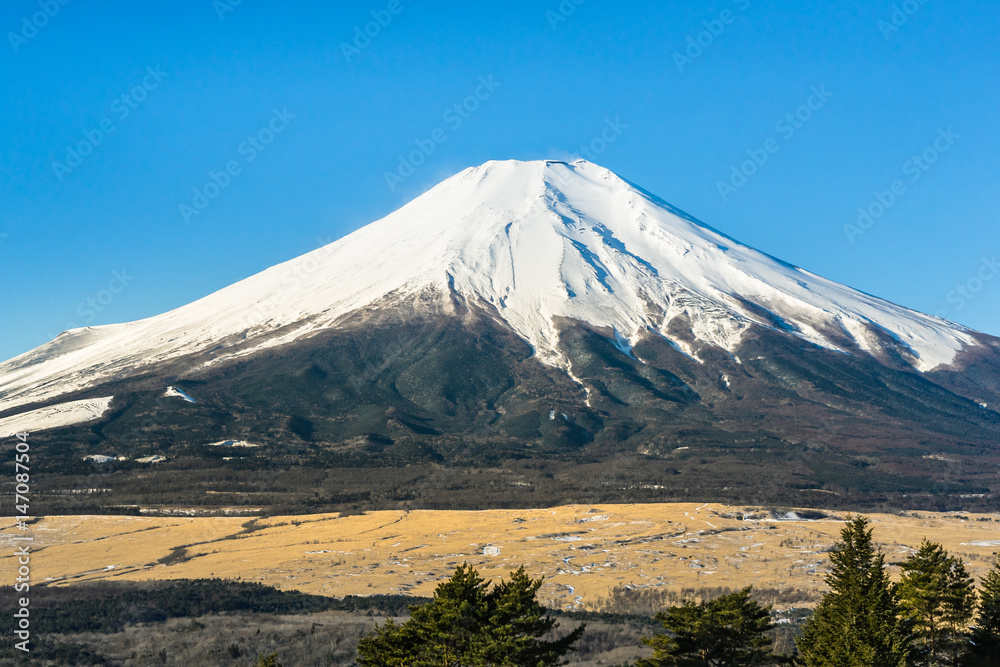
(524, 334)
(533, 241)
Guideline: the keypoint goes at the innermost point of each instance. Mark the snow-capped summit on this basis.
(536, 242)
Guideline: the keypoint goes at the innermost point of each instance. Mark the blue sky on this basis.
(118, 113)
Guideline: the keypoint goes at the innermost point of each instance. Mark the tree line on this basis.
(932, 617)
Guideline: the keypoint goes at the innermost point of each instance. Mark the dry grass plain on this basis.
(583, 551)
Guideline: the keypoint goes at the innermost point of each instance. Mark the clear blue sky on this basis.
(183, 89)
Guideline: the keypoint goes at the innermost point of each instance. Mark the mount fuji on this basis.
(539, 310)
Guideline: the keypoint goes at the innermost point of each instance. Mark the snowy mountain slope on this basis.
(55, 416)
(538, 241)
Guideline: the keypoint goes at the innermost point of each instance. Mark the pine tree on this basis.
(937, 596)
(728, 631)
(439, 633)
(984, 636)
(858, 623)
(466, 624)
(516, 622)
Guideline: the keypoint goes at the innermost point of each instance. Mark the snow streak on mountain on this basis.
(536, 243)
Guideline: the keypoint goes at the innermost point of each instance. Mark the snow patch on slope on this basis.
(232, 443)
(55, 416)
(179, 393)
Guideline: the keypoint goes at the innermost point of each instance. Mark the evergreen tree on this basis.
(728, 631)
(466, 624)
(858, 623)
(937, 596)
(516, 622)
(984, 636)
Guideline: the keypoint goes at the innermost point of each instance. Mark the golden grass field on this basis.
(583, 551)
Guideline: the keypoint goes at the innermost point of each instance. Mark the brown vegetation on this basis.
(584, 552)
